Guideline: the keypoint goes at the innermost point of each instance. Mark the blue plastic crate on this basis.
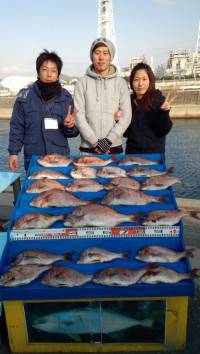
(36, 290)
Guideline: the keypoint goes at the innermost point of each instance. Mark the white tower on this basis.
(106, 25)
(196, 56)
(198, 41)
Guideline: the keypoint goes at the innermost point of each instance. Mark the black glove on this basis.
(104, 144)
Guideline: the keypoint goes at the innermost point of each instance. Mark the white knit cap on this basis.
(105, 42)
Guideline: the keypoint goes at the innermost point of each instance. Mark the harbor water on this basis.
(182, 152)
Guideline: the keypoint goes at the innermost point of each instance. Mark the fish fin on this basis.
(151, 188)
(75, 337)
(115, 335)
(160, 185)
(151, 268)
(151, 272)
(93, 201)
(68, 256)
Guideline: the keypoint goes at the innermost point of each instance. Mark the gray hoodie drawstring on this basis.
(98, 85)
(97, 89)
(105, 86)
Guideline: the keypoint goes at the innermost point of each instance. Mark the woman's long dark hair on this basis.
(146, 102)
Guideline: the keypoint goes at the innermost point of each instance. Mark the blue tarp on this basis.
(7, 178)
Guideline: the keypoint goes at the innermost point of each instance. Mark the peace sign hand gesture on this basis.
(69, 120)
(166, 106)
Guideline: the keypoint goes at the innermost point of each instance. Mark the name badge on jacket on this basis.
(50, 123)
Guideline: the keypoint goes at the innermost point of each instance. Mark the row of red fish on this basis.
(91, 255)
(59, 276)
(158, 180)
(116, 196)
(95, 215)
(109, 171)
(55, 160)
(29, 264)
(87, 185)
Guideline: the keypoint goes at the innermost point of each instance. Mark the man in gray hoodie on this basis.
(97, 96)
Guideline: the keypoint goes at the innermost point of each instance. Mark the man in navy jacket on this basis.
(42, 117)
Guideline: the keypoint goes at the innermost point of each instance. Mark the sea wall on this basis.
(6, 106)
(5, 113)
(186, 105)
(185, 111)
(177, 111)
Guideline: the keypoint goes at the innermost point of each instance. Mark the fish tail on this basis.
(68, 256)
(184, 212)
(147, 323)
(113, 158)
(183, 185)
(170, 170)
(193, 214)
(190, 252)
(61, 217)
(162, 199)
(90, 277)
(126, 255)
(194, 273)
(135, 217)
(95, 276)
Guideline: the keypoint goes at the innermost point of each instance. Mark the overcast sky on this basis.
(149, 27)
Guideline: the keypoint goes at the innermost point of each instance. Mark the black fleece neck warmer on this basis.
(50, 89)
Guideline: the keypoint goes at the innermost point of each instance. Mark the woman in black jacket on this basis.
(150, 114)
